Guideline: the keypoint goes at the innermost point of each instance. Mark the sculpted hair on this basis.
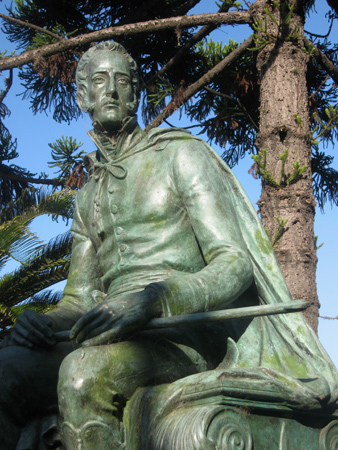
(82, 75)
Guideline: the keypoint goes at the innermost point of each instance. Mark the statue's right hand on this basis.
(33, 330)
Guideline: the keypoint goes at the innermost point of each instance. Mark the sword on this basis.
(214, 316)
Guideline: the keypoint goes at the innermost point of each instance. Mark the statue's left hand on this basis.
(33, 330)
(113, 318)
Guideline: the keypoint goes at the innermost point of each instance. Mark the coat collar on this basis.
(130, 140)
(114, 147)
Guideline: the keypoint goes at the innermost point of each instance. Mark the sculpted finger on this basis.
(80, 324)
(104, 338)
(42, 339)
(84, 321)
(32, 337)
(38, 323)
(47, 321)
(101, 312)
(20, 341)
(122, 327)
(32, 333)
(95, 328)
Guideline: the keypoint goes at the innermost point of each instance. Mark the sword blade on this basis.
(215, 316)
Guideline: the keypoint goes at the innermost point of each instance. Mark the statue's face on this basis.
(109, 88)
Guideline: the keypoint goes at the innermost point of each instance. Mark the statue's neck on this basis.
(114, 145)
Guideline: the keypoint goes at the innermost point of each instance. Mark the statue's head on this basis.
(108, 85)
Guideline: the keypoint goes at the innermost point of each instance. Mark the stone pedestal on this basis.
(234, 424)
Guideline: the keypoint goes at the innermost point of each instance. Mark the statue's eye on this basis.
(123, 81)
(98, 79)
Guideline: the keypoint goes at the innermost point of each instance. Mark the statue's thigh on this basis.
(28, 378)
(123, 367)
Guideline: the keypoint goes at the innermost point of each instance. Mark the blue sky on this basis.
(35, 132)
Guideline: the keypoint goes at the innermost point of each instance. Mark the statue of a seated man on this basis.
(162, 228)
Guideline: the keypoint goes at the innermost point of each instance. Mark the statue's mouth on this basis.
(111, 105)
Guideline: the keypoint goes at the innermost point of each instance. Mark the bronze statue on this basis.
(162, 228)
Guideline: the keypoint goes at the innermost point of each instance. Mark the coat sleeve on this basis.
(83, 278)
(209, 203)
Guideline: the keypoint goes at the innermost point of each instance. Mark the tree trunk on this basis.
(284, 125)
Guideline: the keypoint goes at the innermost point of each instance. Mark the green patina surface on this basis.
(263, 244)
(198, 253)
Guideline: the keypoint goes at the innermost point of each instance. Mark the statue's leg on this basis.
(96, 382)
(28, 380)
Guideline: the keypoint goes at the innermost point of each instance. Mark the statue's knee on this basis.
(86, 384)
(85, 372)
(75, 373)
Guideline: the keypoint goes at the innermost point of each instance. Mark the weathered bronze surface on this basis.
(161, 229)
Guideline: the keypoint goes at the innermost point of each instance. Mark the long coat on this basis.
(163, 209)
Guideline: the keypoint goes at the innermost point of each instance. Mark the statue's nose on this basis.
(111, 91)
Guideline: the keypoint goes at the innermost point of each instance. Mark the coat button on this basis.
(111, 189)
(114, 209)
(123, 247)
(119, 230)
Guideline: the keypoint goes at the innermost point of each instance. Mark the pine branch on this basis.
(228, 97)
(150, 5)
(319, 88)
(125, 30)
(320, 35)
(333, 5)
(323, 60)
(197, 37)
(22, 179)
(30, 25)
(9, 83)
(203, 81)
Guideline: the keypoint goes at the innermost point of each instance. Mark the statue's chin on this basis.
(112, 127)
(113, 123)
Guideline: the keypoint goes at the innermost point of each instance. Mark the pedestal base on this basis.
(241, 425)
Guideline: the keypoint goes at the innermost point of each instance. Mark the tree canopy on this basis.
(227, 105)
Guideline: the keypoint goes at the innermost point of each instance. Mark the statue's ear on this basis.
(81, 102)
(133, 105)
(136, 102)
(138, 99)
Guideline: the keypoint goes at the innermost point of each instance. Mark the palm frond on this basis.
(16, 240)
(42, 265)
(35, 202)
(49, 265)
(7, 320)
(7, 314)
(40, 303)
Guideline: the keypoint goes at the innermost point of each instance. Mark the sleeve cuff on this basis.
(182, 295)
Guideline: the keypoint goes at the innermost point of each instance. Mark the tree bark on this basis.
(284, 124)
